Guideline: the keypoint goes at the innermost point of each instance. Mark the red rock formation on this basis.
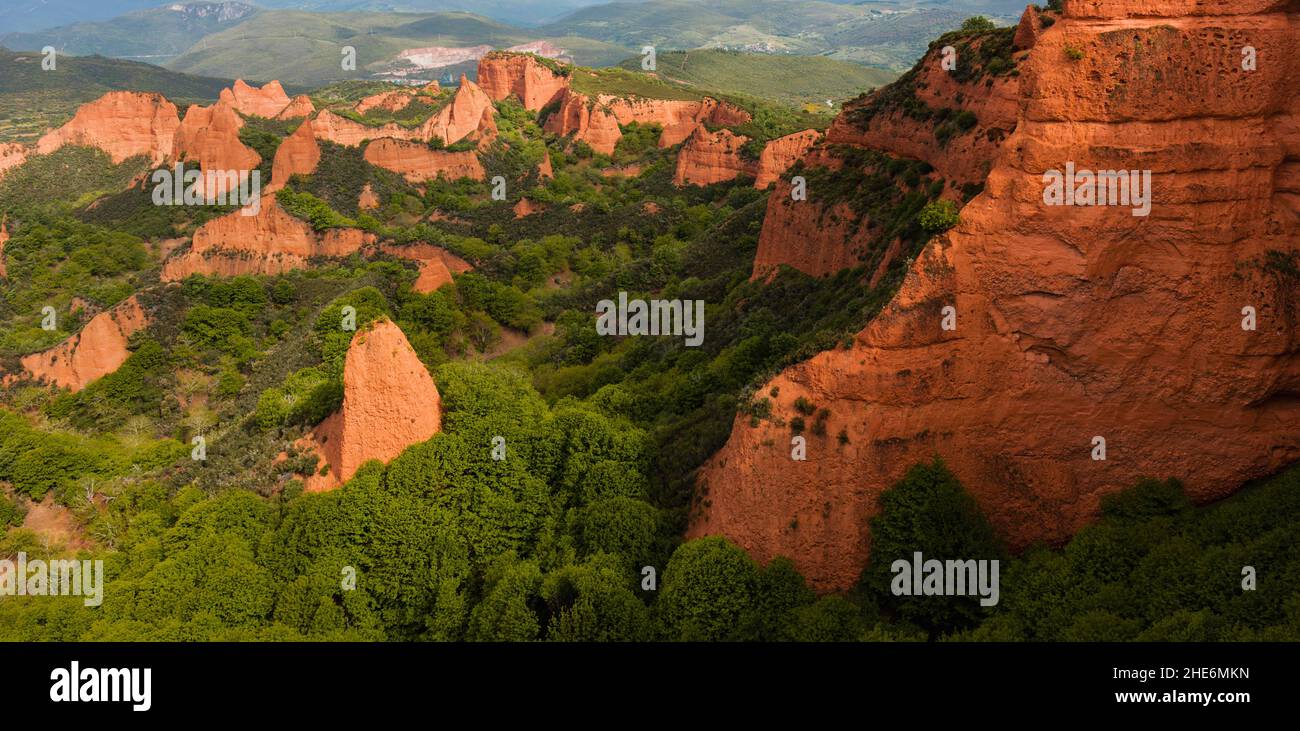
(711, 157)
(487, 131)
(389, 403)
(780, 154)
(1071, 322)
(392, 101)
(417, 163)
(505, 74)
(367, 200)
(1031, 24)
(267, 102)
(4, 239)
(437, 265)
(12, 155)
(299, 106)
(209, 136)
(343, 131)
(121, 123)
(270, 242)
(526, 207)
(463, 116)
(544, 169)
(94, 352)
(298, 154)
(586, 121)
(596, 121)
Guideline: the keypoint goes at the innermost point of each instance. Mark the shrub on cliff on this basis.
(939, 216)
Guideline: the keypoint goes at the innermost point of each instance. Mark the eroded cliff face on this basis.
(463, 116)
(712, 157)
(954, 120)
(121, 123)
(1071, 323)
(298, 154)
(389, 403)
(503, 74)
(437, 265)
(417, 163)
(270, 242)
(96, 351)
(781, 154)
(392, 101)
(343, 131)
(299, 106)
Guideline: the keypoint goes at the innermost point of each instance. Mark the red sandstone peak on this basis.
(596, 121)
(209, 136)
(267, 102)
(1071, 323)
(505, 74)
(96, 351)
(1031, 24)
(389, 403)
(544, 169)
(437, 265)
(298, 154)
(299, 106)
(123, 124)
(462, 116)
(417, 163)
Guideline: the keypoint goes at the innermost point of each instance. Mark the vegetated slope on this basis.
(789, 79)
(154, 34)
(891, 40)
(32, 100)
(306, 48)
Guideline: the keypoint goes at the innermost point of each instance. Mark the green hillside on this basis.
(148, 35)
(32, 100)
(792, 80)
(306, 48)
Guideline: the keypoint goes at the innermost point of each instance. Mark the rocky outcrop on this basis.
(527, 207)
(596, 121)
(389, 403)
(121, 123)
(343, 131)
(298, 154)
(209, 136)
(392, 101)
(462, 117)
(437, 265)
(1027, 31)
(1072, 324)
(711, 157)
(96, 351)
(267, 102)
(780, 154)
(367, 200)
(270, 242)
(544, 169)
(12, 155)
(417, 163)
(299, 106)
(523, 76)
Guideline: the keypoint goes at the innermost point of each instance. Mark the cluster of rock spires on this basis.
(1071, 323)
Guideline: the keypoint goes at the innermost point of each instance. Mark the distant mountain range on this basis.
(235, 39)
